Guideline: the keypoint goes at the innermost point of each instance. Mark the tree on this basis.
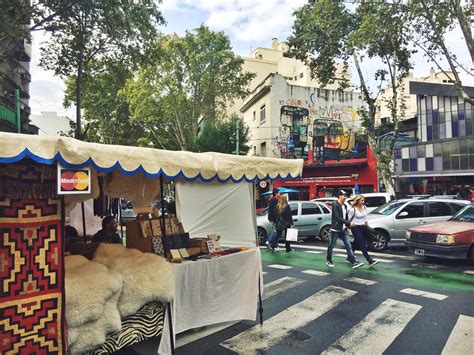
(431, 21)
(106, 113)
(190, 79)
(88, 30)
(328, 32)
(220, 136)
(19, 18)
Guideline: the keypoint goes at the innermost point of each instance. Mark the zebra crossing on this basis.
(374, 334)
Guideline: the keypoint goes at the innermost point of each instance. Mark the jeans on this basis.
(345, 239)
(273, 238)
(361, 241)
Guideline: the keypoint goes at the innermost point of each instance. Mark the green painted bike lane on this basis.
(434, 279)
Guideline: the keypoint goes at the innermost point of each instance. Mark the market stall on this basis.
(214, 196)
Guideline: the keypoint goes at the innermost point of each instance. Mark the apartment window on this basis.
(263, 149)
(254, 115)
(301, 75)
(262, 114)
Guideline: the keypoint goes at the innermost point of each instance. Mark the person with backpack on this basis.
(283, 220)
(359, 223)
(272, 242)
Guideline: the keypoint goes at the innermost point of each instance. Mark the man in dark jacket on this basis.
(339, 229)
(108, 233)
(272, 214)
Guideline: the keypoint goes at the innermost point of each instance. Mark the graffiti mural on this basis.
(315, 127)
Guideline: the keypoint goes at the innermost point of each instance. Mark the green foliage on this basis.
(220, 136)
(106, 113)
(97, 30)
(188, 79)
(104, 29)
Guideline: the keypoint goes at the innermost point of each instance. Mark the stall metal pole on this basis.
(260, 308)
(84, 222)
(170, 322)
(163, 227)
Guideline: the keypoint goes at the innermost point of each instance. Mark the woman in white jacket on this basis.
(358, 217)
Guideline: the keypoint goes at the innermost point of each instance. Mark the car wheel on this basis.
(471, 255)
(381, 242)
(262, 235)
(325, 233)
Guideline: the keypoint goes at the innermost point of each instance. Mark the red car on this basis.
(452, 239)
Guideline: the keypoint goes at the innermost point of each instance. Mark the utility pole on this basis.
(17, 104)
(237, 142)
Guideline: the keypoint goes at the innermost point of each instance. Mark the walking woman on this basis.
(283, 220)
(358, 217)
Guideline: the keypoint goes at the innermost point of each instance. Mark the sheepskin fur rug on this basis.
(89, 285)
(146, 277)
(93, 334)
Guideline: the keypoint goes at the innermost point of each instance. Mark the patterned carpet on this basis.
(31, 263)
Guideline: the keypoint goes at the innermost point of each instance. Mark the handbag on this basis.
(292, 235)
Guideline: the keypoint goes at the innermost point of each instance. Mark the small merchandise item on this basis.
(158, 245)
(175, 255)
(184, 253)
(210, 246)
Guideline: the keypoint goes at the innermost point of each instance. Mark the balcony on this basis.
(7, 114)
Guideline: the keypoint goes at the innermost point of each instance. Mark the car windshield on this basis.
(465, 215)
(388, 208)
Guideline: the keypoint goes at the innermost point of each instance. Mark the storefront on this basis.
(323, 180)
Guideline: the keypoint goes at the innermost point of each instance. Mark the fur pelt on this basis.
(90, 335)
(89, 286)
(146, 277)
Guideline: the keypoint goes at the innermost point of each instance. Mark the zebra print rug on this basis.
(145, 324)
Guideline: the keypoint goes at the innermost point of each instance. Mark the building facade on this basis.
(442, 161)
(321, 126)
(15, 81)
(50, 124)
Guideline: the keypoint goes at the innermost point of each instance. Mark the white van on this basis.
(373, 199)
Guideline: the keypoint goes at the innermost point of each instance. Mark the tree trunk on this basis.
(78, 92)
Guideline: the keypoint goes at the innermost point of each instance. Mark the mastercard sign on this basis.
(71, 181)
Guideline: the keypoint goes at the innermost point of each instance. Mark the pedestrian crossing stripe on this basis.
(428, 266)
(461, 339)
(361, 281)
(436, 296)
(280, 285)
(261, 337)
(375, 333)
(281, 267)
(469, 272)
(381, 260)
(313, 252)
(315, 272)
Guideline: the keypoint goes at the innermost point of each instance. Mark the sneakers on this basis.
(291, 249)
(269, 246)
(277, 248)
(329, 263)
(357, 265)
(374, 262)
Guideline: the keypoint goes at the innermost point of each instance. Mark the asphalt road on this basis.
(404, 305)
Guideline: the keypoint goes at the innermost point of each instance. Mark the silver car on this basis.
(392, 220)
(312, 219)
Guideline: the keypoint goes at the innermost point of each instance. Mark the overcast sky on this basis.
(248, 23)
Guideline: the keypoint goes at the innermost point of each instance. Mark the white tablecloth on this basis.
(213, 291)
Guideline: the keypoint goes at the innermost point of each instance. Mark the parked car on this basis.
(452, 239)
(392, 220)
(373, 199)
(329, 201)
(312, 219)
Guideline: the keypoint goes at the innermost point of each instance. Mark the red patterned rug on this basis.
(31, 265)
